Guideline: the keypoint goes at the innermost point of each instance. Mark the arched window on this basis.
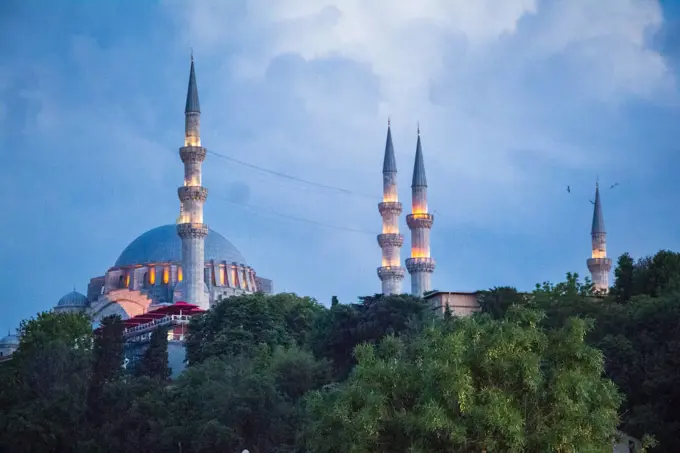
(146, 279)
(121, 280)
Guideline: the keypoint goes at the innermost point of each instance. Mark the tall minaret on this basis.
(391, 273)
(192, 195)
(420, 265)
(599, 265)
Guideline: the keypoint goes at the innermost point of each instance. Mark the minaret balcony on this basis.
(391, 273)
(390, 240)
(597, 264)
(390, 207)
(420, 220)
(192, 230)
(195, 193)
(192, 154)
(420, 265)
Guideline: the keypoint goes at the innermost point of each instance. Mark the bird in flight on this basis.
(569, 189)
(614, 185)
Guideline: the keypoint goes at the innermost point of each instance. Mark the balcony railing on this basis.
(149, 326)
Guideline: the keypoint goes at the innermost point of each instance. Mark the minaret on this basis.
(420, 265)
(192, 195)
(391, 273)
(599, 265)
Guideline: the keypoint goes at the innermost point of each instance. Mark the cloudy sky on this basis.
(516, 100)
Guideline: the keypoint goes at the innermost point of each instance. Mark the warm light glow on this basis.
(192, 141)
(599, 253)
(419, 209)
(390, 198)
(388, 263)
(419, 253)
(390, 229)
(152, 276)
(180, 276)
(166, 275)
(234, 276)
(222, 272)
(244, 283)
(127, 281)
(194, 181)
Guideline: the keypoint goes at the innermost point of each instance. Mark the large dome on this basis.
(162, 245)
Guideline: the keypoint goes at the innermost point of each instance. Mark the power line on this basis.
(296, 219)
(292, 178)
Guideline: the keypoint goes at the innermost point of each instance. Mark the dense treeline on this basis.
(555, 370)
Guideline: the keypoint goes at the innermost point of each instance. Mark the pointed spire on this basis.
(192, 105)
(390, 162)
(598, 218)
(419, 178)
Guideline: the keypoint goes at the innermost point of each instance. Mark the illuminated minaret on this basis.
(192, 195)
(599, 265)
(391, 273)
(420, 265)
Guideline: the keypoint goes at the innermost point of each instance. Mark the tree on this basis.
(43, 388)
(485, 385)
(154, 361)
(107, 361)
(346, 325)
(498, 300)
(231, 404)
(624, 279)
(240, 324)
(652, 275)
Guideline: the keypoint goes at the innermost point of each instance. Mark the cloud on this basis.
(516, 99)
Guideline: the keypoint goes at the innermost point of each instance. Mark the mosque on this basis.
(175, 271)
(171, 263)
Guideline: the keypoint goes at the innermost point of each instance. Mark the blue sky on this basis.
(515, 101)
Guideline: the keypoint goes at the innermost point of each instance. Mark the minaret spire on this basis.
(420, 265)
(599, 264)
(390, 272)
(192, 196)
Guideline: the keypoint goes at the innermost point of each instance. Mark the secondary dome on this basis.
(73, 299)
(163, 245)
(10, 340)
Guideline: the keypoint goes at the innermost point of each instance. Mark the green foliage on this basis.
(242, 323)
(345, 326)
(485, 385)
(653, 275)
(108, 355)
(43, 388)
(154, 361)
(109, 349)
(498, 300)
(71, 329)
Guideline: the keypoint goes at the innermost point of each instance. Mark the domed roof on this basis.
(163, 245)
(10, 340)
(73, 299)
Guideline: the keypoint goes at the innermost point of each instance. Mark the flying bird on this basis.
(569, 189)
(592, 201)
(614, 185)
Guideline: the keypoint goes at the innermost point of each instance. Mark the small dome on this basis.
(73, 299)
(163, 245)
(10, 340)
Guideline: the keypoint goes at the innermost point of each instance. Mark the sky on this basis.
(515, 100)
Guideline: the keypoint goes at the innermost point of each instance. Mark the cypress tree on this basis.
(154, 362)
